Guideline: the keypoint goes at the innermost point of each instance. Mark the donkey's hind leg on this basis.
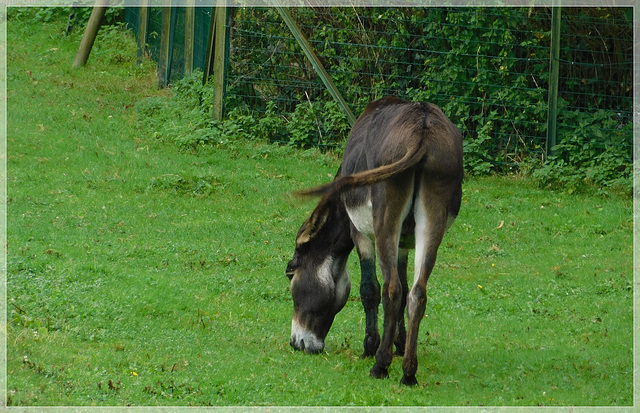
(430, 212)
(401, 334)
(389, 213)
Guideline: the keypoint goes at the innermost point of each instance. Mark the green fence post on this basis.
(554, 62)
(208, 60)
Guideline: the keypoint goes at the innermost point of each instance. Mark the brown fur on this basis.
(400, 177)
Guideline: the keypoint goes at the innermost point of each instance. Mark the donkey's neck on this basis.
(339, 231)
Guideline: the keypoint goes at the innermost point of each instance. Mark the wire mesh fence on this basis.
(487, 68)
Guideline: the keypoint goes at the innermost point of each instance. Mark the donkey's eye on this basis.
(292, 266)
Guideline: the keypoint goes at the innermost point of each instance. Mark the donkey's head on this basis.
(318, 275)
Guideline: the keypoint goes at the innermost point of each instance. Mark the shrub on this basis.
(586, 158)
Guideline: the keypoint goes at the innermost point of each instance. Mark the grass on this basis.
(142, 274)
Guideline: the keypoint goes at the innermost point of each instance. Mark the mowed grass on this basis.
(140, 274)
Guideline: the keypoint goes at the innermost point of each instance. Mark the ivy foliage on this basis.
(594, 153)
(487, 68)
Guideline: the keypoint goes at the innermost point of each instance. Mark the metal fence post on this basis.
(554, 69)
(208, 60)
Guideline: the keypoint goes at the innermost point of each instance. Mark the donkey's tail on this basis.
(413, 156)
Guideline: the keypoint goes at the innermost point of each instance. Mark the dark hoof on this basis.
(379, 372)
(409, 380)
(399, 352)
(371, 345)
(366, 355)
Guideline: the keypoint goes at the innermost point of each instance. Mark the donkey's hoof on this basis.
(379, 372)
(371, 344)
(409, 380)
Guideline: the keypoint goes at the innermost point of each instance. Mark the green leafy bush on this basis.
(586, 158)
(487, 68)
(76, 16)
(184, 118)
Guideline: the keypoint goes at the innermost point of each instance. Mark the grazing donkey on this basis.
(399, 186)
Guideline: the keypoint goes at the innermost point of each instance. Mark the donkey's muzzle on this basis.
(305, 340)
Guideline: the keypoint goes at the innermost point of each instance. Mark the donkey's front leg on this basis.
(370, 296)
(369, 290)
(391, 300)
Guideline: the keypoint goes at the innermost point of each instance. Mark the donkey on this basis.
(398, 187)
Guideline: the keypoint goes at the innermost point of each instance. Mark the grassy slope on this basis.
(139, 274)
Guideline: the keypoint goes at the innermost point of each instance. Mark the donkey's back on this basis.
(388, 128)
(417, 144)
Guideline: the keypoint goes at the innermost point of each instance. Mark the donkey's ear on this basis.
(313, 225)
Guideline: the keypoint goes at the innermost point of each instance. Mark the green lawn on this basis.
(142, 274)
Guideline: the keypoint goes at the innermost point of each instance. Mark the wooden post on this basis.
(189, 35)
(143, 24)
(219, 61)
(315, 62)
(554, 62)
(90, 33)
(166, 44)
